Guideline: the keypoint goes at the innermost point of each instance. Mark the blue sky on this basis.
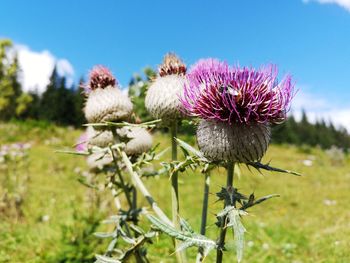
(308, 38)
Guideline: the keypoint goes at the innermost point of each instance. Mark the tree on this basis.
(49, 100)
(13, 102)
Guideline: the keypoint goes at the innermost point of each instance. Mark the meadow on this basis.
(309, 222)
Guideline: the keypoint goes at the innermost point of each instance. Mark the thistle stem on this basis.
(121, 179)
(200, 255)
(174, 179)
(221, 242)
(142, 188)
(175, 191)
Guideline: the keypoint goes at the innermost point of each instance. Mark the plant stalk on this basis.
(175, 206)
(221, 242)
(137, 182)
(174, 178)
(200, 256)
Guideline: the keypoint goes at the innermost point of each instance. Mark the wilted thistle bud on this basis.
(138, 140)
(162, 99)
(98, 160)
(106, 102)
(236, 106)
(100, 138)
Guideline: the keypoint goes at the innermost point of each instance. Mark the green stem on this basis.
(180, 255)
(174, 178)
(200, 256)
(121, 179)
(221, 242)
(205, 203)
(141, 187)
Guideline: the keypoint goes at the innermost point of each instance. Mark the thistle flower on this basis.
(81, 145)
(236, 106)
(162, 99)
(105, 102)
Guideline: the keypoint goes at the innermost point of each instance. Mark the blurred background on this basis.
(46, 52)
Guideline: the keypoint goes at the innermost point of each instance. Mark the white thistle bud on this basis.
(139, 140)
(100, 138)
(97, 161)
(163, 96)
(237, 142)
(107, 104)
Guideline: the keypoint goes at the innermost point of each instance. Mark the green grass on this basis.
(299, 226)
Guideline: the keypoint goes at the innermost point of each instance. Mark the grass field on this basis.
(310, 222)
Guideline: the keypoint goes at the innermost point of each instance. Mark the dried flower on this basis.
(106, 102)
(162, 99)
(236, 106)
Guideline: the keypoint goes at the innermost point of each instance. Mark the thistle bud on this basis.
(106, 102)
(162, 99)
(237, 142)
(100, 138)
(138, 139)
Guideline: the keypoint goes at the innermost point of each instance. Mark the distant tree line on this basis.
(59, 103)
(63, 105)
(321, 133)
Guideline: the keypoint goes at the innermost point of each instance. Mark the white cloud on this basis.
(342, 3)
(36, 68)
(318, 107)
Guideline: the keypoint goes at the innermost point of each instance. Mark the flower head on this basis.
(100, 77)
(162, 98)
(105, 102)
(81, 145)
(236, 95)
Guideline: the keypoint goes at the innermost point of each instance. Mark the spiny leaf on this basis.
(72, 152)
(104, 259)
(194, 239)
(234, 221)
(189, 148)
(104, 235)
(253, 202)
(259, 165)
(186, 226)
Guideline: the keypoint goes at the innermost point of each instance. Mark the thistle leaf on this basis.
(189, 238)
(104, 259)
(188, 148)
(105, 235)
(253, 202)
(186, 226)
(234, 221)
(259, 165)
(72, 152)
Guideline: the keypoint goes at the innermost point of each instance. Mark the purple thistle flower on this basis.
(237, 95)
(82, 143)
